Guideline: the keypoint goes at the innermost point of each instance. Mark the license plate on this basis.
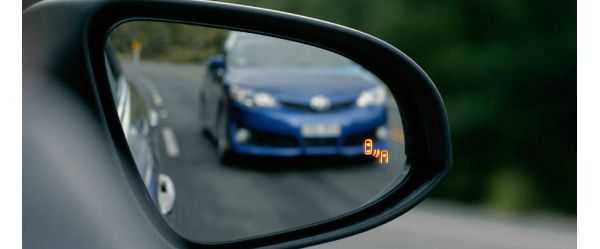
(321, 130)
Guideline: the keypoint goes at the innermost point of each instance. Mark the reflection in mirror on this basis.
(238, 135)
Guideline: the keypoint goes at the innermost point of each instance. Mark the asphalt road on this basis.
(439, 224)
(216, 202)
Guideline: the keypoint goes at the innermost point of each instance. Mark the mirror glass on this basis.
(237, 135)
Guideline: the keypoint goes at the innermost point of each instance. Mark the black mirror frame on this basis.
(428, 146)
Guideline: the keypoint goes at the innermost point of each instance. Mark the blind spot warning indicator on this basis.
(368, 146)
(369, 150)
(384, 158)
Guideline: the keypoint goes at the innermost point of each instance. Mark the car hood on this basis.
(300, 85)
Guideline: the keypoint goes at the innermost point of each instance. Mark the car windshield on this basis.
(259, 52)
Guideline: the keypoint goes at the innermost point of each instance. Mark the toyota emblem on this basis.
(320, 103)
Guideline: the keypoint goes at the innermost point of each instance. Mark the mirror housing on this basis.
(216, 67)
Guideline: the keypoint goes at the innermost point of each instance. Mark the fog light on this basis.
(242, 135)
(381, 132)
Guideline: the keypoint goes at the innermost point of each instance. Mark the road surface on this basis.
(437, 224)
(216, 202)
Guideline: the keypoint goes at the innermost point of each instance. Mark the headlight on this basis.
(372, 97)
(250, 98)
(264, 99)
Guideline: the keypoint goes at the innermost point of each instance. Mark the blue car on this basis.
(272, 97)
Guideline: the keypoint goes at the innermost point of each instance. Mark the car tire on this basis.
(203, 118)
(226, 156)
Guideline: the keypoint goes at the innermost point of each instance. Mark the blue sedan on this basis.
(272, 97)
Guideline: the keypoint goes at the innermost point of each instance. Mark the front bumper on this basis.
(277, 132)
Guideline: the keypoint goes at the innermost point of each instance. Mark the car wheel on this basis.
(223, 145)
(203, 118)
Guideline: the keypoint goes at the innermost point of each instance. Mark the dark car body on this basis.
(135, 119)
(293, 90)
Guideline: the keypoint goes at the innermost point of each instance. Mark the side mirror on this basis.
(216, 67)
(392, 88)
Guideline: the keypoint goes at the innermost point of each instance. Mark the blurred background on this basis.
(505, 69)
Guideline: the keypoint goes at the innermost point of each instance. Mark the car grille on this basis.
(270, 139)
(310, 142)
(306, 108)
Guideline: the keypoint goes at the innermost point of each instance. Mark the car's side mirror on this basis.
(216, 67)
(362, 82)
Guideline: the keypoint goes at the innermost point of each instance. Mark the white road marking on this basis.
(153, 117)
(170, 142)
(156, 98)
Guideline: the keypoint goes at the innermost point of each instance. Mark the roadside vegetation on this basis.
(165, 42)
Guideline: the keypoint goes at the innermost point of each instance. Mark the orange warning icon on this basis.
(382, 155)
(368, 146)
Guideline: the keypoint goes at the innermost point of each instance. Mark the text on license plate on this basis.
(321, 130)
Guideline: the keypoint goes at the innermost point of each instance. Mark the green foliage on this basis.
(507, 73)
(510, 189)
(168, 42)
